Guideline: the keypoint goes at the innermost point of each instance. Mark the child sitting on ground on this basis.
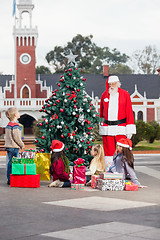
(97, 164)
(13, 139)
(123, 161)
(59, 168)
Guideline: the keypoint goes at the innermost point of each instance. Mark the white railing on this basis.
(34, 103)
(22, 103)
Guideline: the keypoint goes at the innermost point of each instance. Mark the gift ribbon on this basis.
(24, 168)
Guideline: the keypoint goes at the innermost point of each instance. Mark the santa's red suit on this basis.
(118, 118)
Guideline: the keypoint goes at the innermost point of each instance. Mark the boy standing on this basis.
(12, 138)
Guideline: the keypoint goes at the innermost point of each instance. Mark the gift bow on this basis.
(79, 162)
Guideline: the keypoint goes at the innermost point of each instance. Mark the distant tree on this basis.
(120, 69)
(42, 70)
(90, 56)
(146, 61)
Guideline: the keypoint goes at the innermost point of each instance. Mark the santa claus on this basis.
(116, 109)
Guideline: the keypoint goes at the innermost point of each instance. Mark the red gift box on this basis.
(26, 181)
(129, 186)
(79, 172)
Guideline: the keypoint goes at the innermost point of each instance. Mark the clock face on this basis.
(25, 58)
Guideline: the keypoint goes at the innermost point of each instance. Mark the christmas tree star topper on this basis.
(71, 57)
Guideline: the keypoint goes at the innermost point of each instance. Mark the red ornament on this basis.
(88, 142)
(75, 101)
(36, 141)
(47, 123)
(54, 94)
(42, 107)
(70, 69)
(66, 70)
(89, 122)
(67, 149)
(76, 68)
(78, 90)
(67, 86)
(40, 110)
(61, 110)
(75, 106)
(51, 126)
(57, 100)
(73, 92)
(56, 90)
(75, 149)
(86, 120)
(45, 111)
(81, 70)
(89, 133)
(52, 91)
(48, 105)
(43, 137)
(69, 134)
(82, 141)
(61, 76)
(40, 124)
(62, 136)
(54, 104)
(93, 140)
(59, 84)
(77, 115)
(61, 80)
(90, 147)
(49, 98)
(70, 74)
(84, 79)
(46, 100)
(42, 150)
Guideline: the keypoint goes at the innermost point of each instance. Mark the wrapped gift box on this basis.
(108, 175)
(28, 153)
(94, 181)
(77, 186)
(20, 169)
(129, 186)
(79, 172)
(43, 161)
(112, 185)
(22, 160)
(26, 181)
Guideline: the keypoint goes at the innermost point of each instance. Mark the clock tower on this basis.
(25, 39)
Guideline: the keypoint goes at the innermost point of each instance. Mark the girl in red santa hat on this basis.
(123, 161)
(59, 168)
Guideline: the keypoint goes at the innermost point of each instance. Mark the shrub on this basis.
(152, 131)
(139, 136)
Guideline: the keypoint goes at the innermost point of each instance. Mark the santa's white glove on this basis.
(129, 136)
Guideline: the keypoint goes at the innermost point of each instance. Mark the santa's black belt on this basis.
(115, 122)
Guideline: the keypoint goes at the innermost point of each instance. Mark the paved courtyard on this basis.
(57, 214)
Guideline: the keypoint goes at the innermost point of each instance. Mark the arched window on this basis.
(25, 92)
(140, 115)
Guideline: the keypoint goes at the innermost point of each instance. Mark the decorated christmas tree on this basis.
(69, 116)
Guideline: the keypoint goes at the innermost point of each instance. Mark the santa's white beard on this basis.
(113, 90)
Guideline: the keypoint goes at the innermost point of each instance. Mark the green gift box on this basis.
(23, 169)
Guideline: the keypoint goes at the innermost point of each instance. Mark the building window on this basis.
(140, 115)
(25, 93)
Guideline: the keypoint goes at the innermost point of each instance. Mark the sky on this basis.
(127, 25)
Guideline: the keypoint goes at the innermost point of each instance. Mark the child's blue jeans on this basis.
(11, 152)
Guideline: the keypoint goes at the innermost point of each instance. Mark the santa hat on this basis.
(57, 146)
(110, 80)
(125, 142)
(113, 79)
